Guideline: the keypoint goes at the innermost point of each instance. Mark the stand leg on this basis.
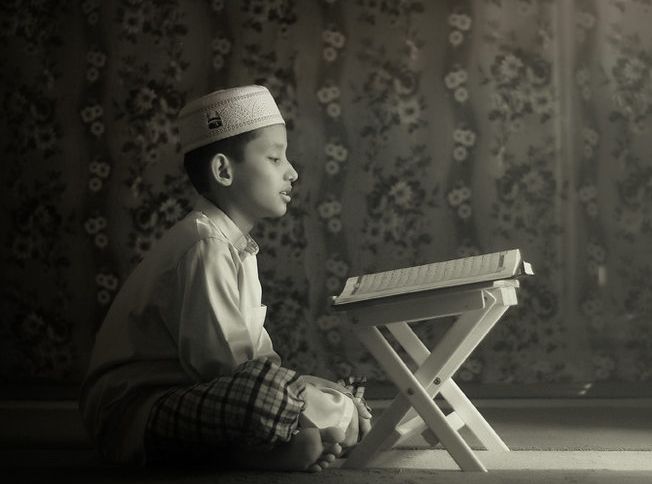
(461, 405)
(415, 393)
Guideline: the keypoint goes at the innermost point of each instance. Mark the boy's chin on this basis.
(277, 213)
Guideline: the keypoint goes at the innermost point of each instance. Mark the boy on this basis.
(182, 366)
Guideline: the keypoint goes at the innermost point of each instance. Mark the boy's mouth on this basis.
(285, 195)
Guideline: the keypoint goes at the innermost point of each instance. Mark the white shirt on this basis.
(190, 312)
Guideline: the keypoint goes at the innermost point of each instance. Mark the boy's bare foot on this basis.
(310, 450)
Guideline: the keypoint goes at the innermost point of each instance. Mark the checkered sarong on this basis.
(256, 407)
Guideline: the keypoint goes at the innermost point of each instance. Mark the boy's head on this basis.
(234, 145)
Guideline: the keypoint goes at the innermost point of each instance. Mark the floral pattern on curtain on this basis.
(421, 131)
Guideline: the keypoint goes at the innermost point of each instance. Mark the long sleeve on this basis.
(220, 319)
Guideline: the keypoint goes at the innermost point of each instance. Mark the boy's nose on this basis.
(292, 173)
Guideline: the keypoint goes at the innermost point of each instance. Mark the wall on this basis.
(421, 131)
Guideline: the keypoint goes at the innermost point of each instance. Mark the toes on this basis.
(324, 464)
(327, 458)
(332, 434)
(314, 468)
(334, 449)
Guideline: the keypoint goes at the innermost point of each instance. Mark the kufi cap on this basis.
(225, 113)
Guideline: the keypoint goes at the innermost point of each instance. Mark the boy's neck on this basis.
(242, 222)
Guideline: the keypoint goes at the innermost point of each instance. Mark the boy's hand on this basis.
(364, 418)
(355, 385)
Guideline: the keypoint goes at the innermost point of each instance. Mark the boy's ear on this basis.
(222, 169)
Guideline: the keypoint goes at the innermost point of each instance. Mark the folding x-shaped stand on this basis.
(414, 410)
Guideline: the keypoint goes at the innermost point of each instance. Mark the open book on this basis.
(457, 272)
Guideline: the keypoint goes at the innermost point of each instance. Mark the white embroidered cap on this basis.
(225, 113)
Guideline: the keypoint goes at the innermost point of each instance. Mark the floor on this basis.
(570, 441)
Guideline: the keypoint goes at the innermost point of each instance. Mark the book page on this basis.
(439, 274)
(431, 273)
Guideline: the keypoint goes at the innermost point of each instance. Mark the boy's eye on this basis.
(274, 160)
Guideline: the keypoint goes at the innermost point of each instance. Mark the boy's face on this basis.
(262, 180)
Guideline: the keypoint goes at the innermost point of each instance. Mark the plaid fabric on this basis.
(256, 407)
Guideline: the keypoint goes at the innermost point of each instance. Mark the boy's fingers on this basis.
(365, 427)
(362, 408)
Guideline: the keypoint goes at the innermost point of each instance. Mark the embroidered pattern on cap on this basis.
(213, 119)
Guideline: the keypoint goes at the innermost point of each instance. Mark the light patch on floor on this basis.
(519, 460)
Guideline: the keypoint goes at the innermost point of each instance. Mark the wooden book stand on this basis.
(414, 410)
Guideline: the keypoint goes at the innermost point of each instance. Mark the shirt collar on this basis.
(243, 243)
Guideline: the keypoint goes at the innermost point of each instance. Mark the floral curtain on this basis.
(421, 131)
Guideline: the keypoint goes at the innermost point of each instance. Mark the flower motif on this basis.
(404, 85)
(468, 138)
(332, 167)
(99, 168)
(333, 110)
(534, 181)
(455, 38)
(171, 210)
(339, 152)
(89, 113)
(332, 284)
(329, 209)
(510, 67)
(334, 225)
(596, 252)
(103, 297)
(464, 211)
(461, 21)
(218, 62)
(133, 21)
(542, 102)
(101, 240)
(94, 225)
(108, 281)
(455, 197)
(97, 128)
(45, 138)
(590, 136)
(142, 245)
(461, 94)
(328, 93)
(408, 111)
(337, 39)
(402, 194)
(633, 70)
(96, 58)
(95, 184)
(459, 153)
(92, 74)
(144, 99)
(585, 19)
(329, 53)
(451, 80)
(221, 45)
(499, 103)
(33, 325)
